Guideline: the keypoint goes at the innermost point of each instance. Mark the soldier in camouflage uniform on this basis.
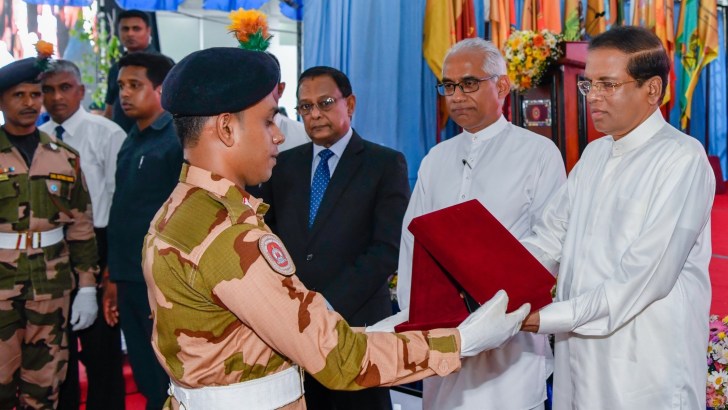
(233, 326)
(45, 227)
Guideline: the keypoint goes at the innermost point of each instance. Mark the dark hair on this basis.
(341, 80)
(157, 65)
(63, 66)
(127, 14)
(647, 56)
(189, 129)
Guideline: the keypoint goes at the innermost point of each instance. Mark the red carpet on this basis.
(134, 399)
(719, 263)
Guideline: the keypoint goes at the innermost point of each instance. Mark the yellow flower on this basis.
(44, 49)
(245, 23)
(721, 335)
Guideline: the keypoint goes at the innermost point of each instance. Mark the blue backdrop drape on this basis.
(378, 44)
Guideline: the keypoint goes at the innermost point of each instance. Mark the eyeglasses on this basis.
(324, 105)
(467, 85)
(605, 88)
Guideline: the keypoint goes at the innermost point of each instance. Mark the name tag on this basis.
(61, 177)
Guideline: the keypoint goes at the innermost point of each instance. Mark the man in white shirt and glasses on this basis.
(512, 172)
(629, 235)
(98, 141)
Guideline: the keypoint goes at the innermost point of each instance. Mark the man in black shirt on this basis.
(147, 170)
(135, 34)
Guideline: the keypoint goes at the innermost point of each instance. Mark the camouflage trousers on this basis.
(33, 352)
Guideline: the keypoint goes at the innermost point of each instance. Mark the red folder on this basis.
(462, 257)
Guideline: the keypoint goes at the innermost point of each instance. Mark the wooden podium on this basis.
(556, 109)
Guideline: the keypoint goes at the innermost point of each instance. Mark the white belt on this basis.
(25, 240)
(266, 393)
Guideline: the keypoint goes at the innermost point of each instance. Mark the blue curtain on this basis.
(62, 3)
(228, 5)
(717, 127)
(378, 44)
(149, 5)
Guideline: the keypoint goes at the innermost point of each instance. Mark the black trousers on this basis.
(151, 380)
(319, 397)
(100, 354)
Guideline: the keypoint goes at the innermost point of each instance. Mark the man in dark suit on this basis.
(338, 204)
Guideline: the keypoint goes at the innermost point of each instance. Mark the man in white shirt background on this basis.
(629, 235)
(293, 130)
(98, 141)
(512, 172)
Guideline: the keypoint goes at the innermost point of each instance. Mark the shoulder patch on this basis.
(276, 254)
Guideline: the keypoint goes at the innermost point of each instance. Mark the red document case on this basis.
(462, 257)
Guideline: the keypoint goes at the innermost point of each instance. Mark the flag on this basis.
(596, 22)
(500, 22)
(657, 16)
(697, 40)
(541, 14)
(572, 20)
(446, 22)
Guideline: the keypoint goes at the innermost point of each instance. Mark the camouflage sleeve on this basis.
(80, 234)
(296, 323)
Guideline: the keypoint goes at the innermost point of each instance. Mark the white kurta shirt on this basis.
(631, 231)
(294, 132)
(512, 172)
(97, 140)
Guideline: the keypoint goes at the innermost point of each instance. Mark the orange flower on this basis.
(538, 40)
(245, 23)
(44, 49)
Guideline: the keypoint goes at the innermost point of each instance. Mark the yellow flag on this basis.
(439, 33)
(596, 22)
(500, 21)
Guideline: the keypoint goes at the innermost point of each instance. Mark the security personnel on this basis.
(233, 325)
(45, 228)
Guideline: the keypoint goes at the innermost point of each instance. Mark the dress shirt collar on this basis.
(162, 121)
(338, 147)
(640, 135)
(72, 124)
(488, 132)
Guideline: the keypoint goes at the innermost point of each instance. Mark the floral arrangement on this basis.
(717, 386)
(528, 56)
(250, 28)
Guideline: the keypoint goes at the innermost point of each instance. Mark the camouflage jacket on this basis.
(51, 194)
(228, 307)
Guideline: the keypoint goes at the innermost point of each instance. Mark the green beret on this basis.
(219, 80)
(21, 71)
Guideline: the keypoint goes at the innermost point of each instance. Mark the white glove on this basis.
(85, 308)
(388, 323)
(490, 326)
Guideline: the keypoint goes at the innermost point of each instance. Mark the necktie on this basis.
(321, 179)
(59, 132)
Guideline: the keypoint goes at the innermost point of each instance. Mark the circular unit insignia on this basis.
(276, 255)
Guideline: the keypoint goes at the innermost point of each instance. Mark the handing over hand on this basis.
(490, 326)
(532, 323)
(111, 310)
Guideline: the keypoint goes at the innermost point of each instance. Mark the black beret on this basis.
(21, 71)
(219, 80)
